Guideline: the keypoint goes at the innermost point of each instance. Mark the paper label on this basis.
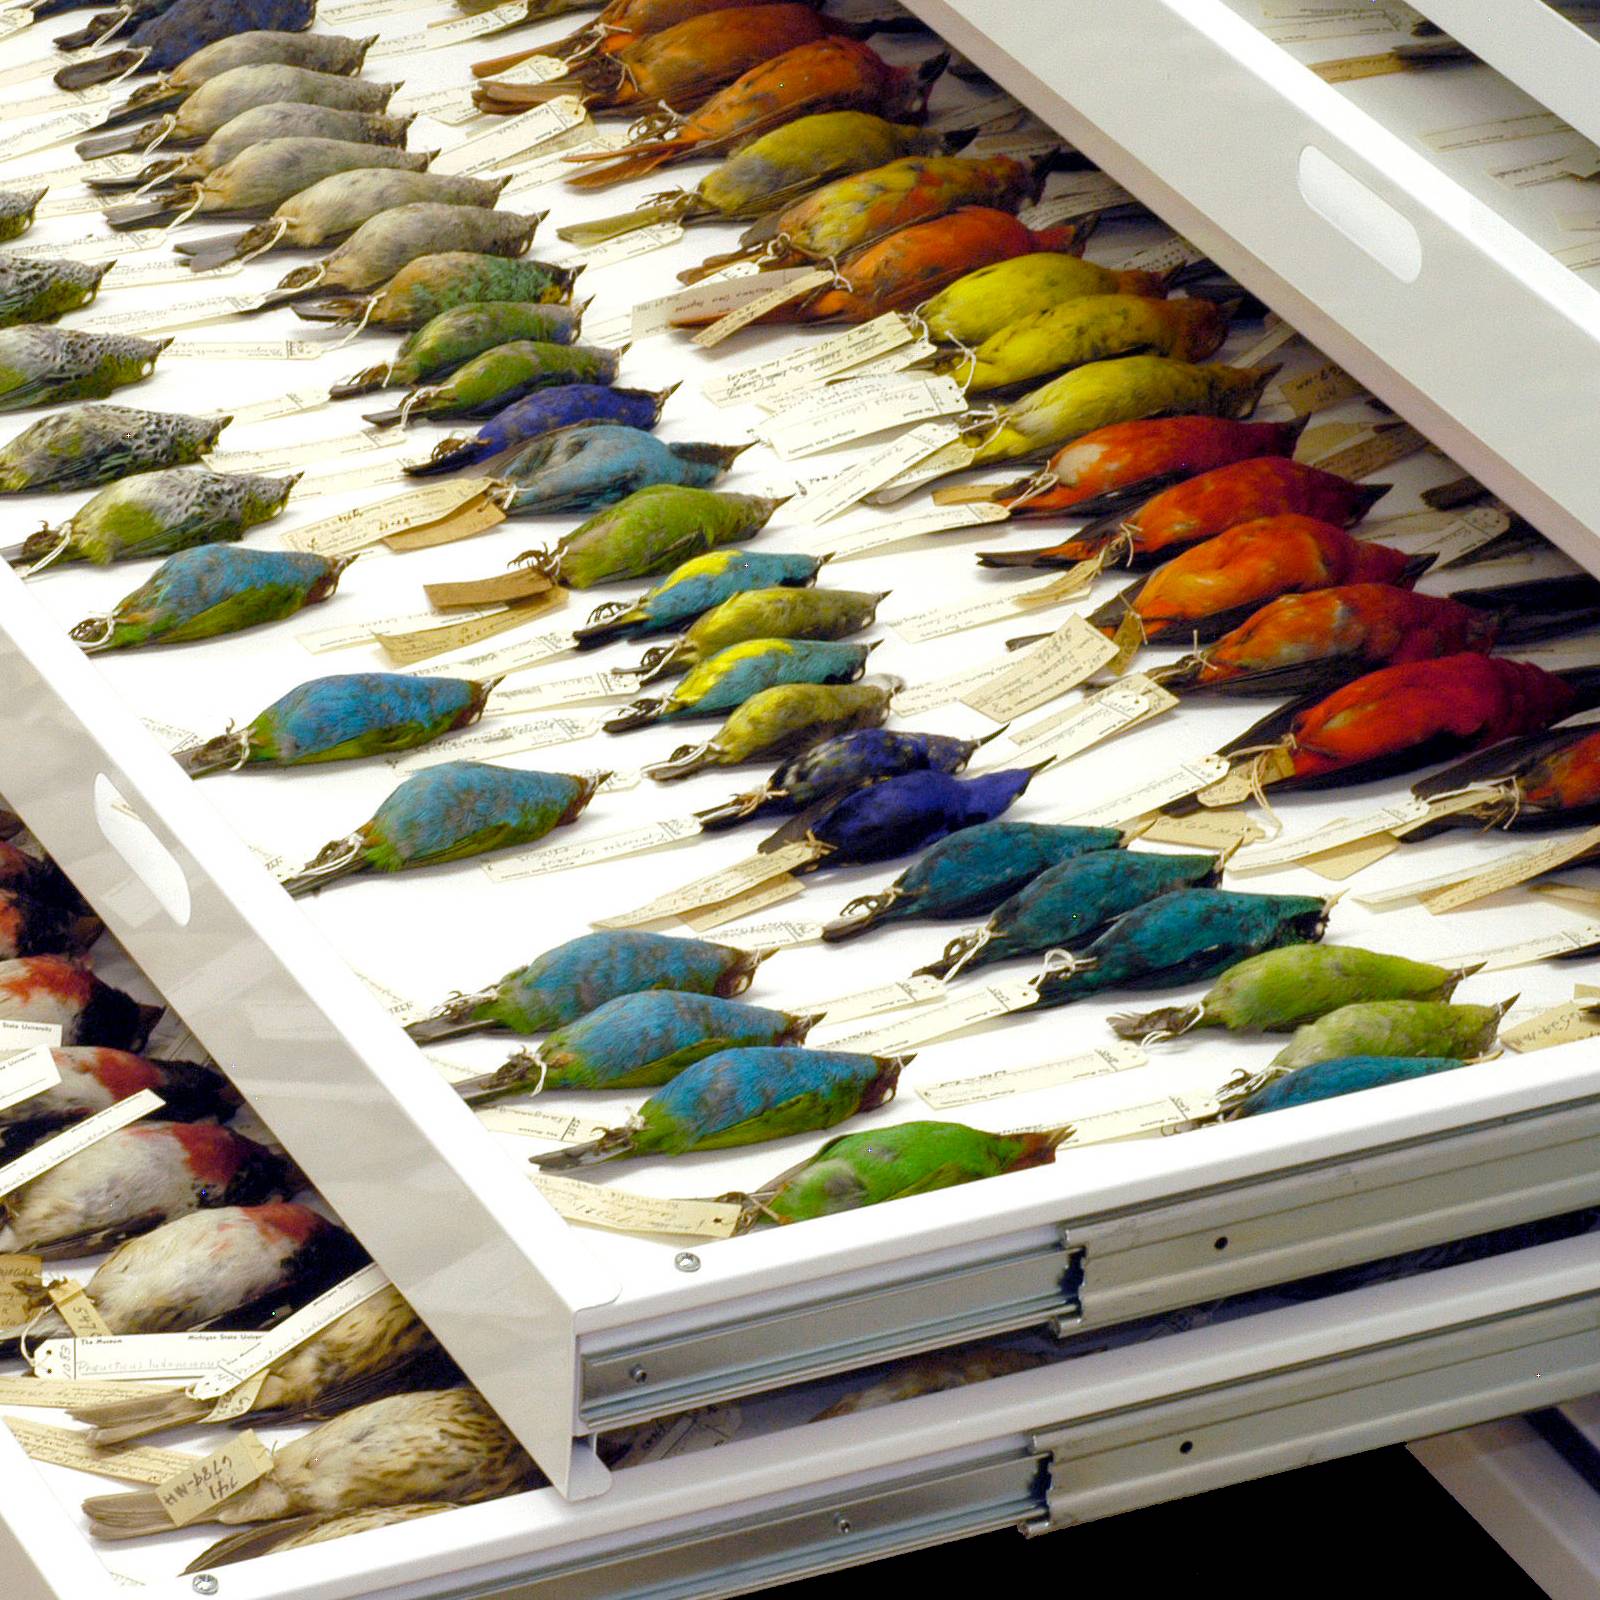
(76, 1308)
(502, 739)
(465, 522)
(25, 1073)
(409, 648)
(585, 852)
(1244, 779)
(21, 1289)
(291, 404)
(841, 419)
(169, 735)
(626, 246)
(941, 620)
(1178, 784)
(1375, 451)
(1174, 252)
(921, 990)
(308, 1321)
(1497, 130)
(1333, 835)
(752, 310)
(312, 450)
(148, 274)
(812, 363)
(1077, 196)
(937, 519)
(1565, 1024)
(346, 635)
(918, 698)
(94, 246)
(48, 1394)
(727, 291)
(1397, 894)
(756, 898)
(504, 661)
(716, 888)
(1458, 538)
(1169, 1114)
(776, 935)
(1075, 651)
(1349, 69)
(547, 1127)
(1565, 941)
(552, 163)
(974, 1005)
(512, 137)
(637, 1213)
(908, 355)
(1104, 714)
(1324, 385)
(349, 531)
(685, 1435)
(1221, 831)
(193, 1492)
(945, 1093)
(453, 31)
(244, 350)
(240, 1401)
(138, 1355)
(70, 1447)
(567, 691)
(501, 589)
(52, 1152)
(144, 322)
(392, 1001)
(1512, 870)
(823, 501)
(53, 130)
(1581, 161)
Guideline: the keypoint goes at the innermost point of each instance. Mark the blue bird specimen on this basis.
(211, 590)
(169, 38)
(848, 761)
(1181, 938)
(447, 813)
(901, 815)
(638, 1040)
(689, 591)
(581, 975)
(596, 464)
(1325, 1079)
(731, 676)
(744, 1096)
(1071, 903)
(339, 718)
(543, 412)
(970, 872)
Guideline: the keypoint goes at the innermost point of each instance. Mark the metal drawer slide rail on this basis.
(1109, 1269)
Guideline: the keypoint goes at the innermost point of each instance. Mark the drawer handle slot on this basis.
(146, 857)
(1364, 218)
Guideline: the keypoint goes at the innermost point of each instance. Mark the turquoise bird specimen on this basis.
(866, 1169)
(93, 445)
(1072, 902)
(902, 815)
(847, 761)
(448, 813)
(1327, 1079)
(698, 586)
(744, 1096)
(597, 464)
(780, 721)
(637, 1041)
(1182, 937)
(40, 289)
(211, 590)
(540, 413)
(42, 366)
(16, 212)
(157, 514)
(729, 678)
(494, 380)
(583, 974)
(780, 613)
(651, 531)
(454, 337)
(341, 718)
(970, 872)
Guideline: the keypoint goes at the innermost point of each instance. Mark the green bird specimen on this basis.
(16, 212)
(865, 1169)
(93, 445)
(40, 290)
(212, 590)
(494, 380)
(157, 514)
(1394, 1028)
(41, 366)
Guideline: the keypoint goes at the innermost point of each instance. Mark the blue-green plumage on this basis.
(1347, 1075)
(599, 463)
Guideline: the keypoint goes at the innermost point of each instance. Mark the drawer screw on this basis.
(637, 1374)
(686, 1261)
(206, 1584)
(842, 1523)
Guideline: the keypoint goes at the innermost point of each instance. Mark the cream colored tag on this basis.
(812, 363)
(293, 1332)
(392, 1001)
(1511, 871)
(752, 310)
(70, 1447)
(152, 274)
(551, 163)
(1075, 651)
(521, 583)
(920, 990)
(197, 312)
(725, 292)
(842, 419)
(771, 893)
(1580, 162)
(291, 404)
(547, 1127)
(937, 519)
(941, 620)
(1497, 130)
(1381, 448)
(512, 137)
(1169, 1114)
(239, 1401)
(1174, 252)
(21, 1289)
(244, 350)
(365, 630)
(466, 522)
(969, 1008)
(568, 691)
(1565, 1024)
(407, 649)
(53, 130)
(777, 935)
(1349, 68)
(1181, 782)
(637, 1213)
(908, 355)
(1323, 386)
(48, 1394)
(719, 886)
(1081, 194)
(311, 450)
(502, 739)
(77, 1310)
(1459, 536)
(917, 698)
(1242, 781)
(626, 246)
(1333, 836)
(1222, 831)
(585, 852)
(169, 735)
(452, 31)
(684, 1435)
(1562, 942)
(825, 500)
(1399, 893)
(348, 531)
(63, 1146)
(507, 659)
(192, 1493)
(164, 1356)
(26, 1073)
(945, 1093)
(1128, 703)
(1349, 859)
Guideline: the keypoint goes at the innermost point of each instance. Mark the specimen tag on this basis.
(1563, 942)
(49, 1394)
(348, 531)
(21, 1289)
(1497, 130)
(940, 620)
(244, 350)
(240, 1401)
(1373, 451)
(944, 1093)
(812, 363)
(25, 1073)
(717, 296)
(578, 1201)
(501, 589)
(975, 1005)
(1407, 813)
(450, 32)
(409, 648)
(585, 852)
(825, 500)
(217, 309)
(192, 1492)
(502, 739)
(1181, 782)
(148, 274)
(1075, 651)
(1109, 711)
(773, 892)
(95, 246)
(936, 519)
(837, 418)
(53, 1151)
(77, 1310)
(310, 1319)
(551, 163)
(1081, 194)
(752, 310)
(548, 1127)
(70, 1447)
(1169, 1114)
(477, 516)
(138, 1355)
(1457, 538)
(343, 636)
(1565, 1024)
(916, 698)
(291, 404)
(714, 889)
(298, 455)
(920, 990)
(1324, 385)
(392, 1001)
(1512, 870)
(684, 1435)
(1397, 894)
(779, 935)
(1163, 257)
(1347, 69)
(567, 691)
(1222, 831)
(609, 252)
(1245, 778)
(512, 137)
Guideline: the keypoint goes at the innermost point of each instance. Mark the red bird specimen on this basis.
(56, 989)
(1201, 508)
(1551, 780)
(1211, 587)
(826, 75)
(1122, 465)
(1311, 643)
(1408, 716)
(30, 926)
(681, 66)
